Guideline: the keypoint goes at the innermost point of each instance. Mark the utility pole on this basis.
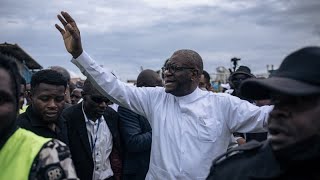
(270, 68)
(235, 63)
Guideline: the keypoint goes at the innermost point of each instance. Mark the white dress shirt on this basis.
(100, 139)
(188, 132)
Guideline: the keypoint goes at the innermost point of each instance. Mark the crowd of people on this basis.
(169, 126)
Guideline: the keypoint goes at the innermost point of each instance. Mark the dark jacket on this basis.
(79, 142)
(254, 161)
(136, 137)
(30, 121)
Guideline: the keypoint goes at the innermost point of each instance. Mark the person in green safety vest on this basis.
(23, 154)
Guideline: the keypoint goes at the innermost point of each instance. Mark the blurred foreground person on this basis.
(190, 127)
(136, 133)
(23, 154)
(292, 150)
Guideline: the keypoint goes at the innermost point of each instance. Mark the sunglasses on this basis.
(99, 99)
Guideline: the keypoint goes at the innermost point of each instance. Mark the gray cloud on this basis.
(124, 35)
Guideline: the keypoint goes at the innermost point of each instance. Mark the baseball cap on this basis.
(298, 75)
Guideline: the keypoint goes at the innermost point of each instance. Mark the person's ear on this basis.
(195, 75)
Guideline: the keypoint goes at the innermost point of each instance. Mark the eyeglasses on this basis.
(173, 68)
(99, 99)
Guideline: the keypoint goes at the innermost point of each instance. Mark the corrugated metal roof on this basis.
(17, 52)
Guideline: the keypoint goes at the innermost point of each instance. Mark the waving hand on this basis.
(70, 34)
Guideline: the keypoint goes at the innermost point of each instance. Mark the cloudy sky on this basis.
(124, 35)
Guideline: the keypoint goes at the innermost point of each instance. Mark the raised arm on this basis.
(245, 117)
(136, 99)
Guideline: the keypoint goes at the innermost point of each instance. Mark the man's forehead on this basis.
(176, 59)
(43, 87)
(94, 92)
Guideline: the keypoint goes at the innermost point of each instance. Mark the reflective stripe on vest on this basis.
(18, 153)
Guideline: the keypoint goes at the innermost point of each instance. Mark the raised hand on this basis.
(70, 34)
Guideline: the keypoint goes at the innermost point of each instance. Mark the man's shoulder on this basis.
(237, 160)
(72, 116)
(121, 108)
(22, 116)
(111, 114)
(111, 111)
(220, 97)
(225, 96)
(71, 109)
(122, 111)
(23, 120)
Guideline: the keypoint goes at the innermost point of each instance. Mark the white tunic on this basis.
(188, 132)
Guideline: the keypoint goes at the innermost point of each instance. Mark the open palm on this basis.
(70, 34)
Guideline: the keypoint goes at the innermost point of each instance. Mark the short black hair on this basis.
(62, 71)
(48, 76)
(206, 76)
(9, 64)
(148, 78)
(88, 87)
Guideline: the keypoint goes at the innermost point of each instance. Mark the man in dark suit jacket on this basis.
(93, 136)
(136, 135)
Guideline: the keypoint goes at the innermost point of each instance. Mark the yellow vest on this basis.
(18, 153)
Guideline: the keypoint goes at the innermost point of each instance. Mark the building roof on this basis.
(16, 51)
